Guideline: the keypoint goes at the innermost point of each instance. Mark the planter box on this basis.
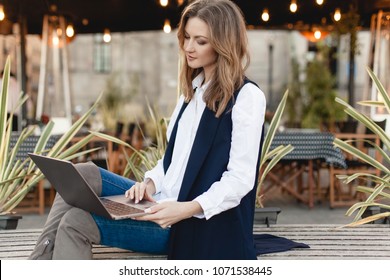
(9, 221)
(266, 215)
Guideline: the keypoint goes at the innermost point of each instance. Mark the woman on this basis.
(205, 182)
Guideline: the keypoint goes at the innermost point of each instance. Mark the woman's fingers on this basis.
(128, 193)
(142, 189)
(160, 214)
(137, 192)
(148, 196)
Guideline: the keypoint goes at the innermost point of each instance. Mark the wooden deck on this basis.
(325, 241)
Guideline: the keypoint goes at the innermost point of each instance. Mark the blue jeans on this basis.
(139, 236)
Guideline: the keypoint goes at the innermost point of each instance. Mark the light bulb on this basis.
(317, 34)
(293, 6)
(2, 14)
(265, 15)
(337, 15)
(55, 40)
(164, 3)
(70, 30)
(107, 36)
(59, 31)
(320, 2)
(167, 26)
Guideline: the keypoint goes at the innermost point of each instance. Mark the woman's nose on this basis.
(189, 47)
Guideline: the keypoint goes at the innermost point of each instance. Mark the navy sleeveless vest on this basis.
(228, 235)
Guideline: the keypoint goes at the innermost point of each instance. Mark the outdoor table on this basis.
(29, 144)
(311, 150)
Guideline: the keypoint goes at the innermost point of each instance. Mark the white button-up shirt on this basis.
(247, 118)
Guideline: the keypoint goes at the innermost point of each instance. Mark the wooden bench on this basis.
(325, 241)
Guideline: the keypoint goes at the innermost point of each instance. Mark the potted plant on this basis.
(144, 159)
(116, 97)
(379, 194)
(268, 160)
(320, 109)
(17, 177)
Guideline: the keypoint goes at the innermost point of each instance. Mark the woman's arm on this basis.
(248, 118)
(168, 213)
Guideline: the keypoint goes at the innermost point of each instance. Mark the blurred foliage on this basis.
(320, 108)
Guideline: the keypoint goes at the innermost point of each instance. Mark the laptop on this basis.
(76, 191)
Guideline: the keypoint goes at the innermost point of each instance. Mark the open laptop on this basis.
(76, 191)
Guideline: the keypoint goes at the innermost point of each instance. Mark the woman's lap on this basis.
(139, 236)
(114, 184)
(146, 237)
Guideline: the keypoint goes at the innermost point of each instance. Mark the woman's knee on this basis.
(91, 174)
(79, 222)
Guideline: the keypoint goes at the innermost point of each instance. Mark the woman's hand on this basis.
(168, 213)
(142, 190)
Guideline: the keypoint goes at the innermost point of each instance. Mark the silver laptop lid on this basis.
(70, 184)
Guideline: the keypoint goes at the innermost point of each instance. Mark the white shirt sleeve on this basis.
(247, 118)
(157, 173)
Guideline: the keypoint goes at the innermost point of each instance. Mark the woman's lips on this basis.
(190, 58)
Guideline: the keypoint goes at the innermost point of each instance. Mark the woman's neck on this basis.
(208, 73)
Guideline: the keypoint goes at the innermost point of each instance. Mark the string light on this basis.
(2, 14)
(164, 3)
(70, 30)
(314, 35)
(265, 15)
(337, 15)
(167, 26)
(317, 34)
(55, 40)
(320, 2)
(107, 35)
(293, 6)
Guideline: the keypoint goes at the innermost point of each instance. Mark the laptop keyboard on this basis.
(119, 209)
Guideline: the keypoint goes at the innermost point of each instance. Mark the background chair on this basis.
(117, 159)
(381, 124)
(349, 126)
(341, 194)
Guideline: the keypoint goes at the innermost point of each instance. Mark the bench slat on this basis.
(326, 242)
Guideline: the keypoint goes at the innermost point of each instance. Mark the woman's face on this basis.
(197, 47)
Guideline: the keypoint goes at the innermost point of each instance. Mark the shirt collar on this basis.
(197, 82)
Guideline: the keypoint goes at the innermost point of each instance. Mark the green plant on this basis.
(349, 24)
(294, 101)
(275, 155)
(320, 107)
(145, 159)
(18, 177)
(379, 194)
(115, 99)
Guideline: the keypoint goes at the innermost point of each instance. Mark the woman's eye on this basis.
(202, 42)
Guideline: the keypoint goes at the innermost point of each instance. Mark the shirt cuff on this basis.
(154, 178)
(207, 207)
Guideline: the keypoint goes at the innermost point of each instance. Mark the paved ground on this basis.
(293, 212)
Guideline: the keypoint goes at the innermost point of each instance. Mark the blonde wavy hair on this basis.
(229, 40)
